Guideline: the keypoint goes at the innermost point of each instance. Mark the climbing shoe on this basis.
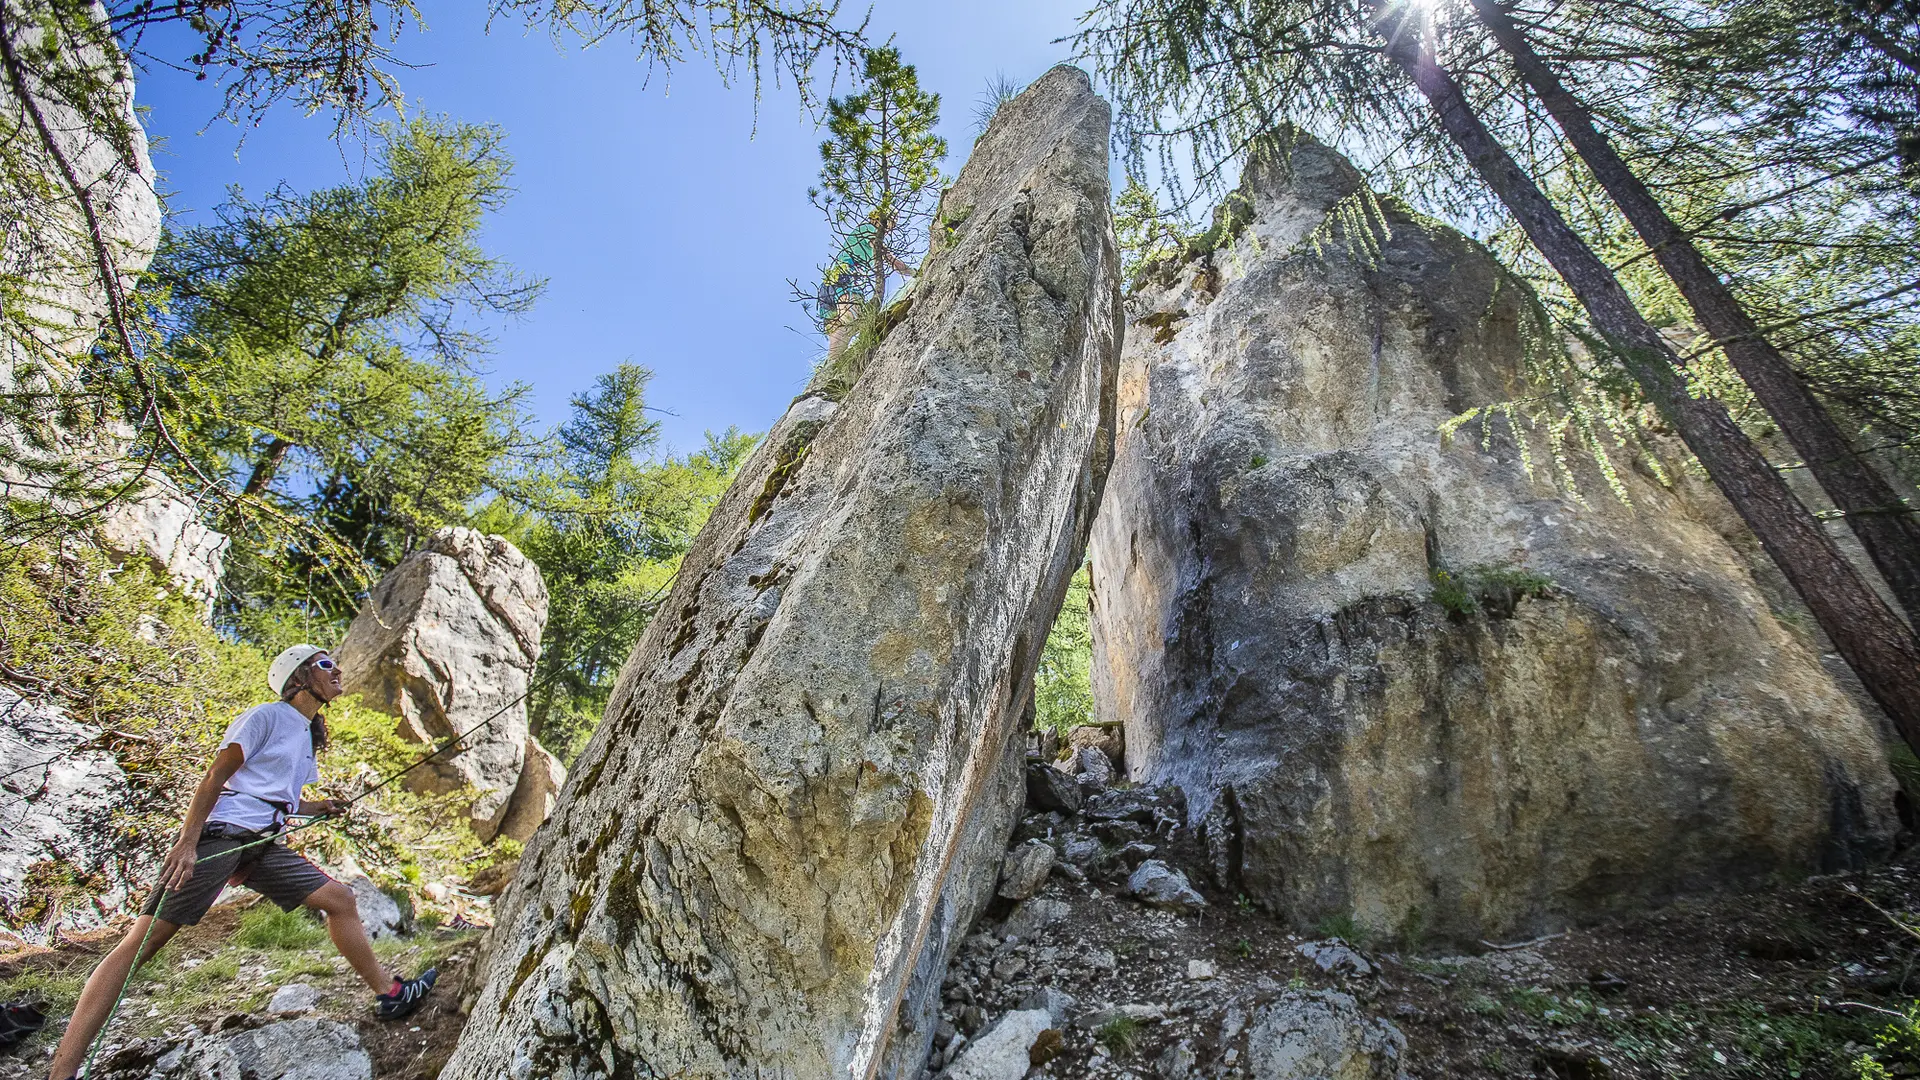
(405, 997)
(19, 1021)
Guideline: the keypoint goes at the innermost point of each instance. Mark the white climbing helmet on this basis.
(286, 664)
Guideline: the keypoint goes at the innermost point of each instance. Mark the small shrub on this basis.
(267, 927)
(1494, 590)
(1343, 926)
(1120, 1036)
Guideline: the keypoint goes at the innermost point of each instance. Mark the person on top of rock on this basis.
(845, 283)
(266, 758)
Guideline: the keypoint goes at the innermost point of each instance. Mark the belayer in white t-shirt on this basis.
(266, 758)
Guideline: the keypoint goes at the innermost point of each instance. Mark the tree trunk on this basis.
(1875, 643)
(1886, 527)
(267, 466)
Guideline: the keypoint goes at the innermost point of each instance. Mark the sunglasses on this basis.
(323, 664)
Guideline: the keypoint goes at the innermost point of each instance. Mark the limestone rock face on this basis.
(811, 765)
(1592, 708)
(50, 259)
(448, 639)
(58, 795)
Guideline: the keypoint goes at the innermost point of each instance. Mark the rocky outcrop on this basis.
(1321, 1035)
(284, 1050)
(50, 272)
(805, 779)
(447, 642)
(61, 867)
(1399, 677)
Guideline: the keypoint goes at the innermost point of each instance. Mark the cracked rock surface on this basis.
(1436, 686)
(448, 639)
(805, 779)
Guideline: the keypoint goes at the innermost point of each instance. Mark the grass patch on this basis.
(267, 927)
(1120, 1035)
(1344, 927)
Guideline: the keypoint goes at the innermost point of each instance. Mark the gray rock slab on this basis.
(1154, 882)
(812, 762)
(293, 999)
(1000, 1052)
(1025, 869)
(1321, 1035)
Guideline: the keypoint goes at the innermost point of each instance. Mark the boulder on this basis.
(1405, 678)
(1110, 740)
(448, 642)
(1025, 869)
(1094, 768)
(1154, 882)
(1003, 1051)
(1321, 1035)
(380, 913)
(541, 777)
(808, 772)
(293, 999)
(1333, 956)
(61, 866)
(1050, 789)
(1029, 917)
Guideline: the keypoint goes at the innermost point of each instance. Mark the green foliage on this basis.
(265, 926)
(1344, 927)
(879, 176)
(1063, 685)
(1895, 1045)
(1145, 234)
(319, 353)
(999, 90)
(1495, 590)
(1121, 1035)
(607, 523)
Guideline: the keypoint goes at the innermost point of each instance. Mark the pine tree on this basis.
(607, 521)
(879, 173)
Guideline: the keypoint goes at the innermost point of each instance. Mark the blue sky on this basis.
(666, 216)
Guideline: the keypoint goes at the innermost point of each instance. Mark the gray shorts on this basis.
(272, 870)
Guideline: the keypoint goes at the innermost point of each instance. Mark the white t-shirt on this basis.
(277, 744)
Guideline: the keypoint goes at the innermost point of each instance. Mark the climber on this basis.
(844, 286)
(265, 759)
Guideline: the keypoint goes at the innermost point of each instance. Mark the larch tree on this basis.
(1887, 528)
(1225, 75)
(343, 58)
(319, 349)
(606, 518)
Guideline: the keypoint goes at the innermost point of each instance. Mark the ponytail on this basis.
(317, 730)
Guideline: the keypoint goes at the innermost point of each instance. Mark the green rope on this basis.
(159, 902)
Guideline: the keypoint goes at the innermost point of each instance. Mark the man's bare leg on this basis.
(349, 936)
(103, 986)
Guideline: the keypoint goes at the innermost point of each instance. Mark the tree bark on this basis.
(266, 467)
(1869, 636)
(1887, 528)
